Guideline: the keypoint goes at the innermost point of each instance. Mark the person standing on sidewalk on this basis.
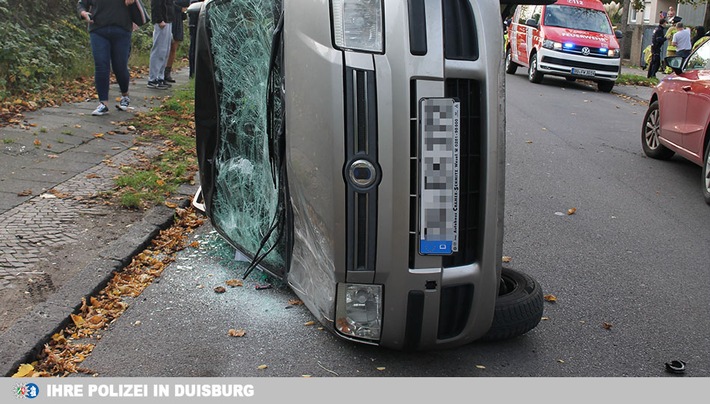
(179, 16)
(110, 31)
(681, 40)
(657, 41)
(161, 12)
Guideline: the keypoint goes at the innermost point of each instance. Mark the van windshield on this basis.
(585, 19)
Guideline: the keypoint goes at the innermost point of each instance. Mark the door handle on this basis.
(686, 88)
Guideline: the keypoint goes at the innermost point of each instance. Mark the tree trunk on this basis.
(706, 20)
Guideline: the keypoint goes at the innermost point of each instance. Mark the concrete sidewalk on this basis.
(639, 93)
(59, 241)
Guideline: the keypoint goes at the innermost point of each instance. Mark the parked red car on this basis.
(678, 116)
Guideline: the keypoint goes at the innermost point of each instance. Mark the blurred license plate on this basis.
(583, 72)
(439, 176)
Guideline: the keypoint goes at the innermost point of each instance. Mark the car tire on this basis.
(652, 146)
(706, 175)
(605, 86)
(510, 66)
(519, 306)
(534, 75)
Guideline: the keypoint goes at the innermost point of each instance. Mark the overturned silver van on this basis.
(356, 149)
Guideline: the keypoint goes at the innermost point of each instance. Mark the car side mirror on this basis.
(618, 34)
(675, 63)
(531, 22)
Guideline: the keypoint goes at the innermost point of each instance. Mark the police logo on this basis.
(585, 51)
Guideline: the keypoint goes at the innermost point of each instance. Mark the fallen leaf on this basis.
(160, 182)
(78, 320)
(380, 368)
(309, 323)
(560, 361)
(262, 367)
(26, 192)
(236, 333)
(24, 370)
(550, 298)
(92, 175)
(607, 326)
(544, 318)
(571, 211)
(295, 302)
(506, 258)
(234, 282)
(171, 205)
(220, 289)
(37, 142)
(480, 367)
(52, 156)
(98, 135)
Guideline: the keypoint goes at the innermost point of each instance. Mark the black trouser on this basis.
(654, 65)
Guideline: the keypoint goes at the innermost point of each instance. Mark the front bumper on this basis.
(563, 64)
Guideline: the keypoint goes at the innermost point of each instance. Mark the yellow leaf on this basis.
(24, 370)
(160, 182)
(98, 135)
(234, 282)
(171, 205)
(309, 323)
(571, 211)
(550, 298)
(78, 320)
(262, 367)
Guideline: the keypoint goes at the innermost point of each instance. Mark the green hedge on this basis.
(44, 42)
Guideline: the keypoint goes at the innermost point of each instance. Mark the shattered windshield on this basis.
(246, 202)
(584, 19)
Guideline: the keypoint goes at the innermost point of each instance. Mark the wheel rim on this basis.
(507, 60)
(533, 67)
(707, 174)
(651, 130)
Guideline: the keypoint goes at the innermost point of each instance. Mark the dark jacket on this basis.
(161, 11)
(657, 39)
(106, 12)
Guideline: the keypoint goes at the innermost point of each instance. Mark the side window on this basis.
(536, 14)
(700, 60)
(526, 12)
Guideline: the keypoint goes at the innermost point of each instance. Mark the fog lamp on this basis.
(359, 310)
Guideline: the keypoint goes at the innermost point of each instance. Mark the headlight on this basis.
(550, 44)
(613, 53)
(357, 25)
(359, 310)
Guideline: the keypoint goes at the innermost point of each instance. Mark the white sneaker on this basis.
(102, 109)
(125, 102)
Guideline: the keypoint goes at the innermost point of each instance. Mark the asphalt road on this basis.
(629, 270)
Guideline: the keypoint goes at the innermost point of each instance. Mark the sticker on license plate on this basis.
(439, 176)
(583, 72)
